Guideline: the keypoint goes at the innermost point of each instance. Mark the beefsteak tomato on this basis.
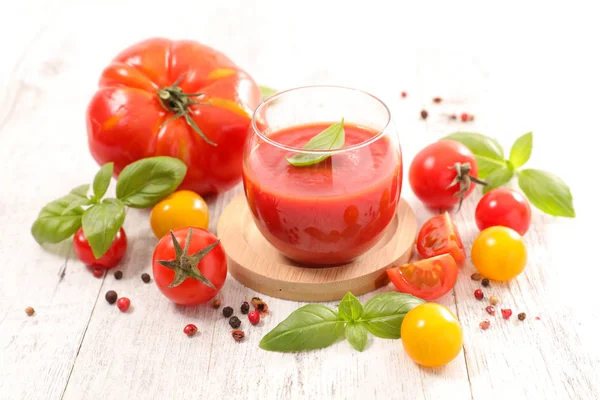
(174, 98)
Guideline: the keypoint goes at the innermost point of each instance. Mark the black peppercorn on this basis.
(522, 316)
(485, 282)
(111, 296)
(118, 275)
(245, 307)
(145, 277)
(235, 322)
(227, 312)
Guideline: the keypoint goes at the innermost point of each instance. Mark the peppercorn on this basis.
(227, 312)
(145, 277)
(424, 114)
(123, 303)
(485, 282)
(98, 272)
(235, 322)
(111, 296)
(190, 329)
(29, 311)
(238, 335)
(476, 277)
(494, 300)
(118, 275)
(245, 307)
(522, 316)
(254, 317)
(490, 310)
(259, 305)
(464, 117)
(484, 324)
(437, 99)
(506, 313)
(216, 303)
(403, 94)
(478, 294)
(452, 117)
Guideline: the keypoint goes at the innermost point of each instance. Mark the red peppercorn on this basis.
(506, 313)
(537, 318)
(98, 272)
(464, 117)
(484, 324)
(478, 294)
(123, 303)
(437, 99)
(254, 317)
(490, 310)
(190, 329)
(403, 94)
(238, 335)
(424, 114)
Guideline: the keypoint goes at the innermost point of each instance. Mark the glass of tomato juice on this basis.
(333, 211)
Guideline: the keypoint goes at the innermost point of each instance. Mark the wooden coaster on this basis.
(258, 265)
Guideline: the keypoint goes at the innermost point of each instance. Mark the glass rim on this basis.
(367, 142)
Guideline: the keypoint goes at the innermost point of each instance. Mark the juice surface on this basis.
(328, 213)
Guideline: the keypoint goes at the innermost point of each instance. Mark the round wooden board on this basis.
(258, 265)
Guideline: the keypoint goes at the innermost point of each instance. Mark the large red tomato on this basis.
(152, 95)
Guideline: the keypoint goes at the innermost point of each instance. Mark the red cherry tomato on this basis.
(109, 259)
(427, 279)
(432, 173)
(439, 235)
(186, 278)
(504, 207)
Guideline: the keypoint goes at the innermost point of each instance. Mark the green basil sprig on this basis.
(544, 190)
(329, 139)
(140, 185)
(315, 326)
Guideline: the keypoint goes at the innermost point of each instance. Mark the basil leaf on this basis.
(100, 224)
(499, 177)
(331, 138)
(102, 180)
(313, 326)
(486, 166)
(267, 91)
(145, 182)
(54, 222)
(356, 333)
(350, 308)
(547, 192)
(77, 204)
(521, 150)
(479, 144)
(385, 312)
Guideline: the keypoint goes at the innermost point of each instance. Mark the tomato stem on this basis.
(463, 180)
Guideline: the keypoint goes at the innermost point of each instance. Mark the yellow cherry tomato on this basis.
(181, 209)
(431, 335)
(499, 253)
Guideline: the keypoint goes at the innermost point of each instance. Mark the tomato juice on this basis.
(327, 213)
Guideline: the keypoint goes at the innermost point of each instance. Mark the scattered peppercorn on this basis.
(476, 277)
(235, 322)
(216, 303)
(490, 310)
(245, 307)
(537, 318)
(145, 277)
(485, 282)
(259, 305)
(403, 94)
(484, 324)
(29, 311)
(254, 317)
(452, 117)
(478, 294)
(464, 117)
(424, 114)
(506, 313)
(471, 117)
(111, 296)
(118, 275)
(437, 99)
(494, 300)
(227, 312)
(190, 329)
(98, 272)
(238, 335)
(123, 303)
(522, 316)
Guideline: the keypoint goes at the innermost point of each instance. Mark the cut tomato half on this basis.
(427, 279)
(439, 236)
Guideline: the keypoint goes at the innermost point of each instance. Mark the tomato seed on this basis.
(29, 311)
(111, 296)
(484, 324)
(424, 114)
(118, 275)
(146, 277)
(490, 310)
(245, 307)
(190, 329)
(485, 282)
(478, 294)
(494, 300)
(522, 316)
(227, 312)
(123, 303)
(476, 277)
(238, 335)
(235, 322)
(216, 303)
(506, 313)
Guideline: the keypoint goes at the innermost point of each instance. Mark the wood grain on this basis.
(539, 74)
(255, 263)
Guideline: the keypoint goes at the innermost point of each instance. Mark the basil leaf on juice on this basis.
(100, 224)
(384, 313)
(330, 139)
(102, 180)
(350, 308)
(145, 182)
(547, 192)
(267, 91)
(521, 150)
(356, 334)
(312, 326)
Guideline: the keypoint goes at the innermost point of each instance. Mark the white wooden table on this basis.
(517, 69)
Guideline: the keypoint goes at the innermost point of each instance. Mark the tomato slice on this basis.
(427, 279)
(439, 236)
